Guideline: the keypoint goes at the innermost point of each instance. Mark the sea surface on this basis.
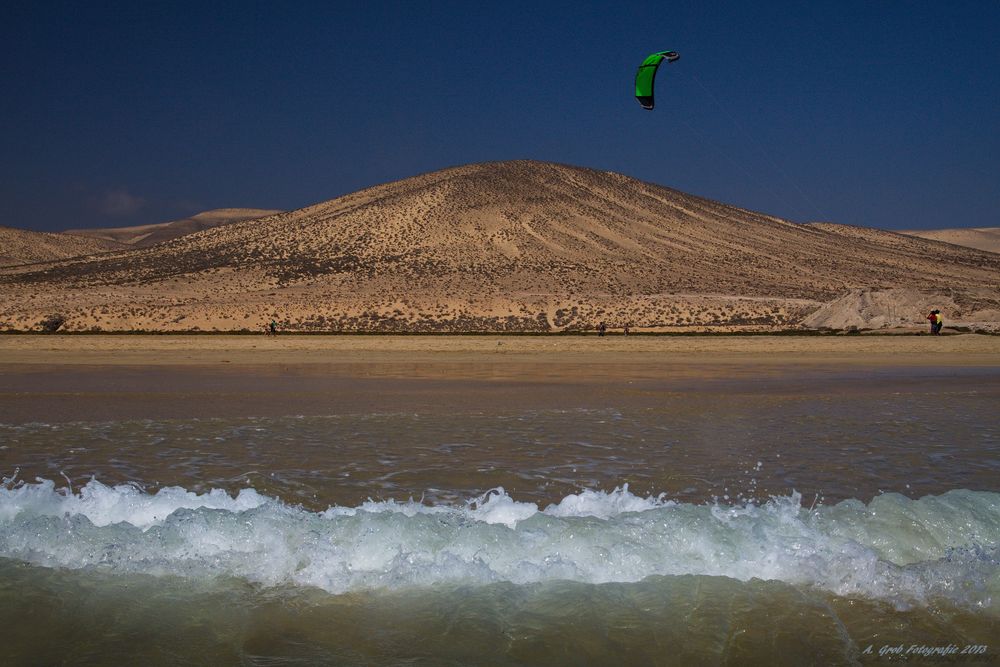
(837, 519)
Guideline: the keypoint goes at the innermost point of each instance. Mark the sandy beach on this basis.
(960, 350)
(99, 377)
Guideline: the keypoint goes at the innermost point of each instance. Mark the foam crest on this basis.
(106, 505)
(604, 505)
(496, 507)
(905, 551)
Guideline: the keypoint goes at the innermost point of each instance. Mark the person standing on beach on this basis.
(601, 328)
(937, 321)
(274, 328)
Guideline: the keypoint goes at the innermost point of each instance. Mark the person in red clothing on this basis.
(936, 320)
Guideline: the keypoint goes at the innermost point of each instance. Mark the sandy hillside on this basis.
(504, 246)
(19, 246)
(981, 238)
(143, 236)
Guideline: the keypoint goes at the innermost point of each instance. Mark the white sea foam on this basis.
(902, 550)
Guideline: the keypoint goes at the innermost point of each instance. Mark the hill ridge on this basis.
(21, 246)
(142, 236)
(980, 238)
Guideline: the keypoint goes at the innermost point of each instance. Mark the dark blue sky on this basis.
(884, 114)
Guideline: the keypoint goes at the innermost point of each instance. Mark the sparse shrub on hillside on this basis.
(564, 318)
(52, 323)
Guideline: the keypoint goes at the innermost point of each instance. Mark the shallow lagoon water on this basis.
(746, 523)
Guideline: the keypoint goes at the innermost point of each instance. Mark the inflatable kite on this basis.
(647, 74)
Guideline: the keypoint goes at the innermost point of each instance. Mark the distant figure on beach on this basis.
(273, 328)
(937, 321)
(625, 330)
(601, 328)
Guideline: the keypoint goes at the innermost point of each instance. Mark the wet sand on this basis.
(70, 378)
(952, 350)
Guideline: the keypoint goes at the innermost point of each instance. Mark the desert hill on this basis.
(142, 236)
(981, 238)
(20, 246)
(516, 245)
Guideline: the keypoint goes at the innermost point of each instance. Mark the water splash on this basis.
(904, 551)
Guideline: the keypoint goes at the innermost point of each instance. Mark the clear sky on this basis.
(884, 114)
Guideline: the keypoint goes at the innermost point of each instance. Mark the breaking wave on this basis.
(905, 551)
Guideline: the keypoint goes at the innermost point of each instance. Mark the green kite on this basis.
(647, 74)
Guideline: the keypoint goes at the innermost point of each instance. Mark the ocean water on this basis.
(817, 526)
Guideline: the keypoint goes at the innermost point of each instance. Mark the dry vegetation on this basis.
(510, 246)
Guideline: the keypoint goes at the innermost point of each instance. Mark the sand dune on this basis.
(143, 236)
(981, 238)
(19, 246)
(508, 246)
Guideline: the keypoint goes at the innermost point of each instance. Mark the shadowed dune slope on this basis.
(19, 246)
(143, 236)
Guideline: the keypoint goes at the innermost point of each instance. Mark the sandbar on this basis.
(107, 377)
(952, 350)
